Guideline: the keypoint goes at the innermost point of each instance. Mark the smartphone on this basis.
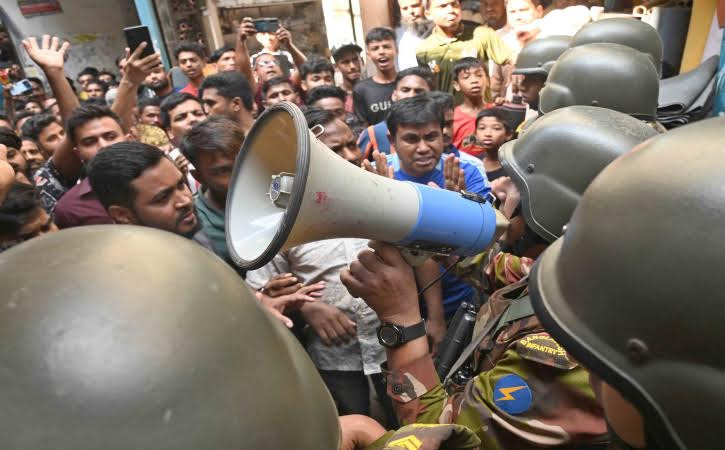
(136, 35)
(266, 24)
(21, 87)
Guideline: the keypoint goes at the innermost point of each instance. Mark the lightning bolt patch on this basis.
(512, 394)
(507, 393)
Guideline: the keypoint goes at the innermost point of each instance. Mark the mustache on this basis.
(180, 217)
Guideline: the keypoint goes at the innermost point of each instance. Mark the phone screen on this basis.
(266, 25)
(21, 87)
(135, 36)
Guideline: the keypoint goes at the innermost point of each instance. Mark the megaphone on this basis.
(288, 189)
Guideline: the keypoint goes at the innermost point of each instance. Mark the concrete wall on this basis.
(93, 27)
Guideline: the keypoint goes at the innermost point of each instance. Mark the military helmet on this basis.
(537, 57)
(606, 75)
(560, 154)
(125, 337)
(633, 288)
(625, 31)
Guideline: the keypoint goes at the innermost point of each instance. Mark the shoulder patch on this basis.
(543, 349)
(512, 394)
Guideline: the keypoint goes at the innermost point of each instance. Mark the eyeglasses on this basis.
(267, 62)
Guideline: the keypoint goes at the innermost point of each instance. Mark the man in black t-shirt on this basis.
(371, 97)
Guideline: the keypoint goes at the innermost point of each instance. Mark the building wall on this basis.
(93, 27)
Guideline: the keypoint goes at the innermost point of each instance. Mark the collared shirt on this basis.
(80, 206)
(212, 222)
(441, 53)
(323, 261)
(51, 185)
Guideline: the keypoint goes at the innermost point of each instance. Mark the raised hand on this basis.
(246, 29)
(381, 165)
(136, 68)
(453, 175)
(284, 36)
(50, 54)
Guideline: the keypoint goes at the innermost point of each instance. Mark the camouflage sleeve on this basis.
(492, 270)
(534, 396)
(429, 437)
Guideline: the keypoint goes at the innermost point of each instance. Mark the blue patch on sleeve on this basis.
(512, 394)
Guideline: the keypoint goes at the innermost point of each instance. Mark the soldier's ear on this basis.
(122, 215)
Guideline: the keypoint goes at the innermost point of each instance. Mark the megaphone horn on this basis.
(288, 189)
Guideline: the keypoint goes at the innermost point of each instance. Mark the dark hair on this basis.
(274, 81)
(5, 118)
(444, 100)
(171, 102)
(318, 116)
(84, 114)
(36, 80)
(192, 47)
(112, 171)
(229, 85)
(414, 111)
(219, 52)
(215, 134)
(21, 105)
(94, 102)
(9, 138)
(500, 114)
(315, 64)
(72, 84)
(148, 101)
(104, 86)
(107, 72)
(466, 63)
(36, 124)
(88, 71)
(21, 202)
(379, 34)
(325, 91)
(418, 71)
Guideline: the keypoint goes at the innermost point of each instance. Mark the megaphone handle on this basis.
(415, 258)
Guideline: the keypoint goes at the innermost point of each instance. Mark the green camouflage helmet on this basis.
(625, 31)
(633, 288)
(125, 337)
(537, 57)
(560, 154)
(606, 75)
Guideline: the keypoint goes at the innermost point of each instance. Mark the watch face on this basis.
(388, 336)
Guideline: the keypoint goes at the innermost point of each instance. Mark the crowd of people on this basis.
(450, 104)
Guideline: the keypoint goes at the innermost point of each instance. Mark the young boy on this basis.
(371, 97)
(279, 89)
(471, 80)
(316, 71)
(493, 129)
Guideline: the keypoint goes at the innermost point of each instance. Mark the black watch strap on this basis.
(413, 331)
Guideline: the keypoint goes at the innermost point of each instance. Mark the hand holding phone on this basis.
(266, 24)
(22, 87)
(135, 36)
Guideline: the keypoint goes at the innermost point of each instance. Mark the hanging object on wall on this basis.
(30, 8)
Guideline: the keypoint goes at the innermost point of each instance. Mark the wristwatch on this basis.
(393, 335)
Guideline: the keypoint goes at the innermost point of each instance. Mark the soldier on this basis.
(628, 292)
(527, 391)
(534, 63)
(134, 338)
(606, 75)
(626, 31)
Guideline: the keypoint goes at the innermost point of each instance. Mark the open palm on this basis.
(50, 54)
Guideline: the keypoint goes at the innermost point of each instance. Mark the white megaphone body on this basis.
(288, 189)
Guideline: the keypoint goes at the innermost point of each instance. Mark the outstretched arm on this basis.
(50, 55)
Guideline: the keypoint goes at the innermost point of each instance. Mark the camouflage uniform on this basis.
(527, 392)
(427, 437)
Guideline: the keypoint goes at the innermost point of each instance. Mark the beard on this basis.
(158, 86)
(420, 27)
